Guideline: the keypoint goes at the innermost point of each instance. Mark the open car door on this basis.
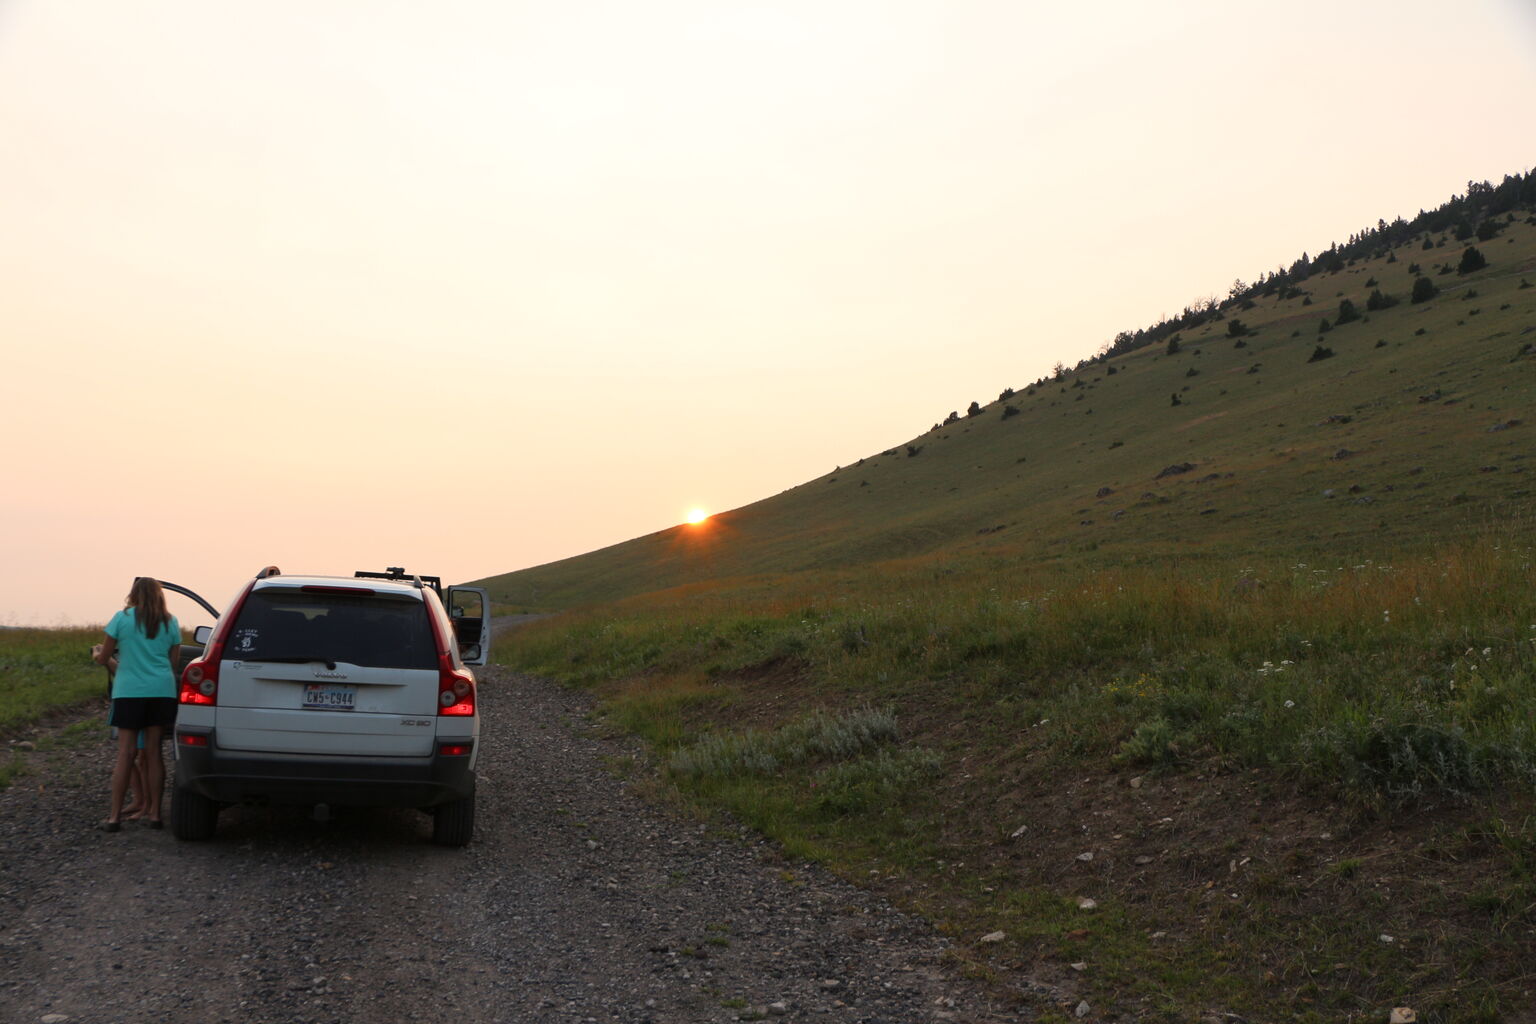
(192, 650)
(470, 610)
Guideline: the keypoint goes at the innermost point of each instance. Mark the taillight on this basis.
(199, 682)
(455, 693)
(200, 679)
(454, 749)
(192, 739)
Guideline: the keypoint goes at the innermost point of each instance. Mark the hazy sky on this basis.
(473, 285)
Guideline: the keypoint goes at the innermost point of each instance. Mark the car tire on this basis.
(453, 823)
(193, 816)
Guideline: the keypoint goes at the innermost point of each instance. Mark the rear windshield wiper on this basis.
(299, 659)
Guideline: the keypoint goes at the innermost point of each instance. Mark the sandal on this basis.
(110, 826)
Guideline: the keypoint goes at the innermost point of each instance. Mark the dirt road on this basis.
(576, 902)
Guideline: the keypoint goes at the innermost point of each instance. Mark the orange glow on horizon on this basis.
(697, 516)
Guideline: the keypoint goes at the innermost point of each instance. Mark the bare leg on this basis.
(127, 740)
(154, 772)
(139, 787)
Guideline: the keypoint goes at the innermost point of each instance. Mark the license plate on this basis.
(330, 696)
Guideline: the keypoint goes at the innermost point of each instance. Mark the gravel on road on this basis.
(578, 901)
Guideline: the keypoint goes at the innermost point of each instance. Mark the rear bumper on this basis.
(245, 777)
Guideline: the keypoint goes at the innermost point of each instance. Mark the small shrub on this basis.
(1347, 312)
(874, 782)
(1405, 760)
(822, 736)
(1471, 261)
(1319, 354)
(1154, 742)
(1379, 300)
(1423, 290)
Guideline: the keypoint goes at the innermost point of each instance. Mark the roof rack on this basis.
(395, 572)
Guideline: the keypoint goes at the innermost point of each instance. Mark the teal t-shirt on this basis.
(144, 666)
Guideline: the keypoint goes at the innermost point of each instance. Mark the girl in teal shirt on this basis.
(145, 638)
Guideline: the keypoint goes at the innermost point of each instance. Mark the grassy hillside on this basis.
(1222, 708)
(1419, 426)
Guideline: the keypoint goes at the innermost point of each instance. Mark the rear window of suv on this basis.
(304, 626)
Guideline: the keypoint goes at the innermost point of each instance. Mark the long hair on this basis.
(148, 600)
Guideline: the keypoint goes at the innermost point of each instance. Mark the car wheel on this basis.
(453, 823)
(193, 816)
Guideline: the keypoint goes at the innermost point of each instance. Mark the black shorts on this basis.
(143, 712)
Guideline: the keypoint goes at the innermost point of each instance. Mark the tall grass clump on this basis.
(821, 737)
(883, 779)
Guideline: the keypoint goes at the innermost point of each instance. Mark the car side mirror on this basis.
(201, 634)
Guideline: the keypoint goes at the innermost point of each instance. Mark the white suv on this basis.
(336, 691)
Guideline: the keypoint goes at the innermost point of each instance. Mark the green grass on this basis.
(46, 670)
(11, 770)
(1387, 678)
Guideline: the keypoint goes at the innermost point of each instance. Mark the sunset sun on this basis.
(697, 516)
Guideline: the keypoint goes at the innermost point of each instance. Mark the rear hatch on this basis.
(329, 670)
